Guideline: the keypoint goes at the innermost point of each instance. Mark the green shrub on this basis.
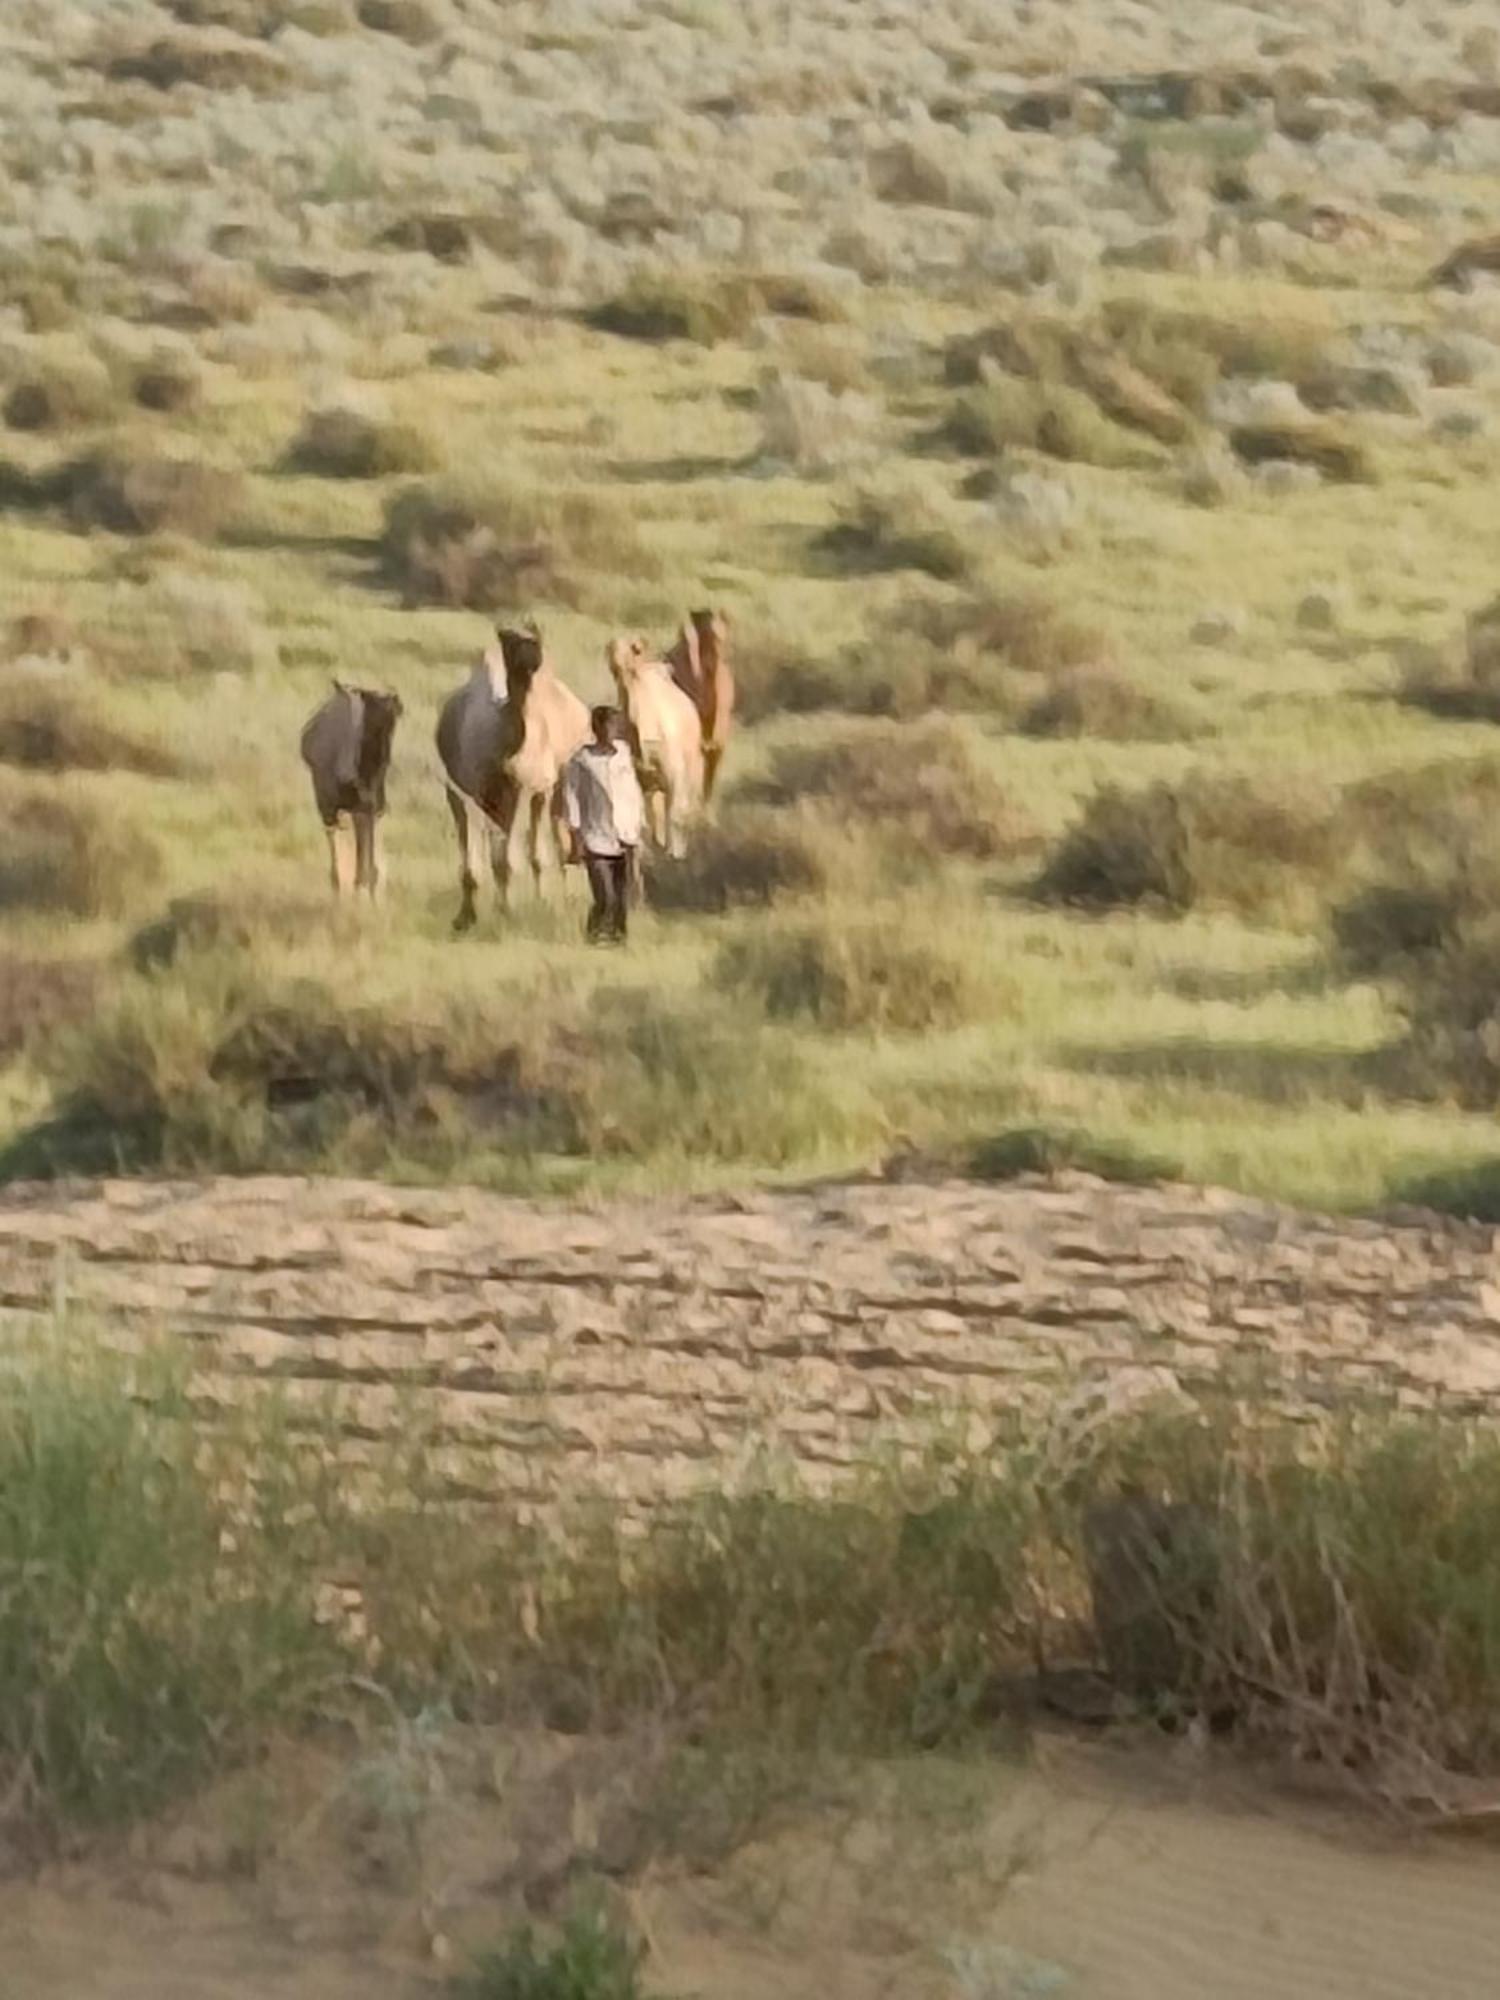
(205, 61)
(652, 1078)
(1096, 701)
(591, 1959)
(708, 307)
(59, 398)
(1331, 451)
(1053, 418)
(60, 853)
(860, 978)
(1212, 840)
(911, 528)
(341, 444)
(48, 726)
(129, 494)
(918, 782)
(746, 860)
(482, 547)
(412, 20)
(40, 995)
(132, 1664)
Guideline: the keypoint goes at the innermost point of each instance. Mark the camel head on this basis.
(521, 650)
(703, 640)
(626, 657)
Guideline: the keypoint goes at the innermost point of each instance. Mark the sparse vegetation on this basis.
(918, 784)
(1210, 841)
(341, 443)
(854, 978)
(60, 854)
(479, 547)
(591, 1959)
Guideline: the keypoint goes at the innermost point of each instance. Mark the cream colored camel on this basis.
(346, 747)
(503, 739)
(699, 659)
(667, 739)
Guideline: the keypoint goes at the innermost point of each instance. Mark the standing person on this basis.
(605, 813)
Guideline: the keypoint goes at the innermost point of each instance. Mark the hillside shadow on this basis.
(1265, 1072)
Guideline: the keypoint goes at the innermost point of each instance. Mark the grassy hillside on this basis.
(1078, 380)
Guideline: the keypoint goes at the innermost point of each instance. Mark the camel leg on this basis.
(712, 753)
(536, 820)
(364, 853)
(464, 825)
(502, 831)
(341, 858)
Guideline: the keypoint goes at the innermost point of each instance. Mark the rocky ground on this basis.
(637, 1347)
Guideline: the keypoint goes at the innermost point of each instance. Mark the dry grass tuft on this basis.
(478, 547)
(340, 443)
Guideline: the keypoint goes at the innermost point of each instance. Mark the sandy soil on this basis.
(1101, 1874)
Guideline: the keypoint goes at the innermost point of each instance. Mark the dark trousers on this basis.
(609, 884)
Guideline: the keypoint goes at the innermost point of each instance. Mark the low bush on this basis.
(814, 428)
(46, 725)
(40, 995)
(745, 860)
(918, 783)
(59, 854)
(129, 494)
(708, 306)
(479, 548)
(412, 20)
(654, 1078)
(341, 443)
(206, 60)
(1334, 453)
(169, 384)
(851, 978)
(60, 398)
(1211, 840)
(590, 1959)
(1096, 701)
(1326, 1590)
(1052, 418)
(912, 527)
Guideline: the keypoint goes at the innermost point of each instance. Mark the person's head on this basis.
(603, 721)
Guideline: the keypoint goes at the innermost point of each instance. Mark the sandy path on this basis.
(643, 1345)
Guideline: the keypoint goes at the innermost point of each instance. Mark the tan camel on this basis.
(346, 747)
(699, 659)
(503, 739)
(667, 739)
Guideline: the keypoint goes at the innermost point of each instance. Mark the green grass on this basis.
(601, 472)
(591, 1959)
(167, 1598)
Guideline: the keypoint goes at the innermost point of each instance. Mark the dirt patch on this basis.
(1099, 1873)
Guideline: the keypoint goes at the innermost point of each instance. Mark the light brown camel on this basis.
(699, 659)
(503, 739)
(346, 747)
(666, 737)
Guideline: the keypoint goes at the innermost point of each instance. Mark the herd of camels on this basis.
(504, 738)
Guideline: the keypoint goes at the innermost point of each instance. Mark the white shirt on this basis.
(602, 799)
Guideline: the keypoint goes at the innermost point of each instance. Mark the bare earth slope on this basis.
(644, 1345)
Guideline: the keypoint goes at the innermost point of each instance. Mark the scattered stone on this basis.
(1455, 360)
(1212, 475)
